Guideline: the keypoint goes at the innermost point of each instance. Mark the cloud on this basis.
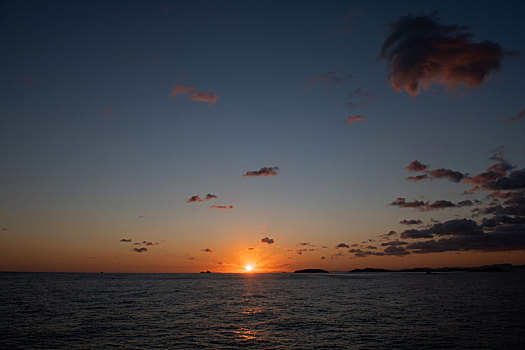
(222, 207)
(457, 227)
(416, 166)
(351, 120)
(520, 115)
(126, 240)
(396, 251)
(329, 77)
(207, 250)
(197, 198)
(265, 171)
(454, 176)
(411, 222)
(490, 242)
(342, 245)
(393, 243)
(417, 178)
(194, 199)
(267, 240)
(193, 94)
(420, 52)
(427, 206)
(140, 250)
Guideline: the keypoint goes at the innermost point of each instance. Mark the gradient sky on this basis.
(115, 113)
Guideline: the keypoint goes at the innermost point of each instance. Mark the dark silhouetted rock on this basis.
(370, 269)
(311, 271)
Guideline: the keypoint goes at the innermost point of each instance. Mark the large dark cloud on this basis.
(491, 242)
(458, 227)
(421, 51)
(265, 171)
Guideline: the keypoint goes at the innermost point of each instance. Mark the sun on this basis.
(248, 268)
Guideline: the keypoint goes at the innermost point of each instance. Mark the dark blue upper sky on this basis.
(89, 131)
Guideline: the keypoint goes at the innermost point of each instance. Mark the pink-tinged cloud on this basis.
(207, 250)
(353, 119)
(193, 94)
(520, 115)
(222, 207)
(265, 171)
(416, 166)
(421, 51)
(267, 240)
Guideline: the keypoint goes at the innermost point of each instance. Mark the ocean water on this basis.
(263, 311)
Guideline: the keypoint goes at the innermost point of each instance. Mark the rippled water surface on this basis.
(263, 311)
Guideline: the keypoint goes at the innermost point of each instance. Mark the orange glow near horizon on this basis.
(248, 268)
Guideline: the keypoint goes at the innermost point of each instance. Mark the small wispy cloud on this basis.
(125, 240)
(353, 119)
(222, 207)
(265, 171)
(267, 240)
(207, 250)
(140, 250)
(519, 116)
(193, 94)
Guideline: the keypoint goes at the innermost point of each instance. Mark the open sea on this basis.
(454, 310)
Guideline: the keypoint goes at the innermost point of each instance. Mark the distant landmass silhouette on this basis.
(486, 268)
(311, 271)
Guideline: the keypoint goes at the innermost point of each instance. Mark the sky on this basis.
(183, 136)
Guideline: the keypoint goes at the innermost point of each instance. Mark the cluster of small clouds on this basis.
(428, 206)
(139, 243)
(197, 198)
(500, 228)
